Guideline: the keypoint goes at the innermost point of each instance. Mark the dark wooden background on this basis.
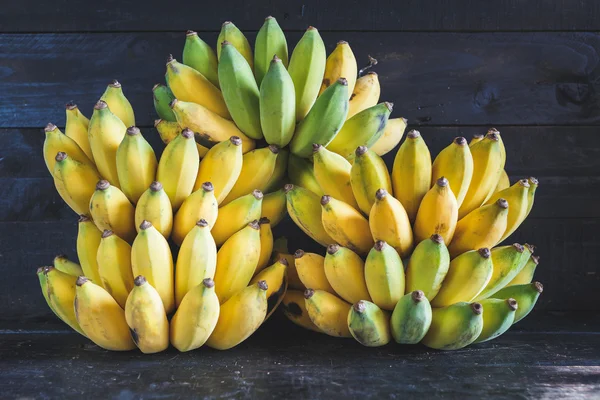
(530, 68)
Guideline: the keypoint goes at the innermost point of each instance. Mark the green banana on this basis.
(230, 33)
(498, 317)
(507, 261)
(411, 318)
(526, 296)
(162, 97)
(428, 266)
(200, 56)
(277, 104)
(304, 207)
(369, 324)
(455, 326)
(270, 41)
(302, 173)
(384, 275)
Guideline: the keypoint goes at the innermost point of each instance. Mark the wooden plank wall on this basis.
(529, 68)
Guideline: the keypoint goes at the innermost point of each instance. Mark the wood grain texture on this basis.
(433, 78)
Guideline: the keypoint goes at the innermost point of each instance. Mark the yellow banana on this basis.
(369, 324)
(455, 326)
(118, 103)
(392, 135)
(302, 173)
(311, 271)
(438, 213)
(231, 33)
(533, 185)
(229, 153)
(110, 209)
(63, 264)
(503, 182)
(368, 174)
(101, 318)
(498, 317)
(274, 207)
(328, 312)
(526, 274)
(294, 308)
(266, 244)
(476, 138)
(199, 55)
(196, 317)
(151, 257)
(388, 221)
(384, 275)
(428, 267)
(88, 241)
(482, 227)
(333, 171)
(365, 94)
(240, 317)
(507, 261)
(279, 172)
(455, 162)
(236, 215)
(526, 296)
(60, 294)
(304, 207)
(154, 206)
(276, 278)
(170, 130)
(200, 204)
(280, 253)
(178, 167)
(76, 128)
(411, 318)
(136, 164)
(146, 317)
(518, 202)
(74, 182)
(341, 63)
(345, 225)
(56, 142)
(114, 266)
(44, 286)
(345, 272)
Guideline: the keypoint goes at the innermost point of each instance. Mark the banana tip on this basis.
(417, 296)
(477, 308)
(512, 304)
(262, 285)
(235, 140)
(264, 221)
(49, 127)
(187, 133)
(325, 200)
(333, 248)
(102, 184)
(361, 150)
(208, 187)
(442, 182)
(502, 203)
(139, 280)
(133, 130)
(379, 245)
(360, 307)
(191, 33)
(106, 233)
(519, 247)
(81, 280)
(437, 238)
(461, 141)
(413, 134)
(538, 287)
(258, 195)
(71, 105)
(202, 223)
(484, 252)
(145, 225)
(100, 105)
(60, 156)
(208, 283)
(288, 187)
(83, 218)
(114, 84)
(308, 293)
(299, 253)
(156, 186)
(380, 194)
(254, 225)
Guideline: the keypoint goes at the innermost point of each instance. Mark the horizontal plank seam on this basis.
(468, 31)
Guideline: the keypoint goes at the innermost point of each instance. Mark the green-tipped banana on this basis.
(507, 261)
(230, 33)
(270, 41)
(533, 185)
(307, 67)
(63, 264)
(200, 56)
(162, 97)
(525, 295)
(324, 120)
(498, 317)
(277, 104)
(302, 173)
(304, 207)
(118, 103)
(411, 318)
(428, 266)
(526, 274)
(455, 326)
(240, 91)
(369, 324)
(384, 275)
(367, 175)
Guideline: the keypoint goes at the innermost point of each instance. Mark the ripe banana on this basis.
(44, 286)
(498, 317)
(100, 317)
(307, 67)
(88, 241)
(294, 281)
(274, 207)
(526, 274)
(76, 128)
(503, 182)
(365, 94)
(508, 261)
(328, 312)
(270, 42)
(369, 324)
(200, 204)
(411, 173)
(304, 207)
(136, 164)
(476, 138)
(229, 153)
(178, 167)
(333, 172)
(196, 317)
(63, 264)
(146, 317)
(428, 267)
(110, 209)
(482, 227)
(533, 185)
(162, 98)
(455, 326)
(388, 221)
(277, 104)
(438, 213)
(368, 174)
(411, 318)
(279, 172)
(231, 33)
(56, 142)
(59, 291)
(324, 120)
(236, 215)
(526, 296)
(311, 271)
(74, 182)
(266, 244)
(167, 130)
(345, 272)
(154, 206)
(118, 103)
(301, 173)
(455, 162)
(467, 276)
(276, 278)
(240, 316)
(345, 225)
(341, 63)
(392, 135)
(294, 307)
(384, 275)
(517, 197)
(114, 266)
(200, 56)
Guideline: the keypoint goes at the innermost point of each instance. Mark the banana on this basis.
(482, 227)
(231, 33)
(488, 164)
(56, 142)
(328, 312)
(146, 317)
(151, 257)
(266, 244)
(277, 105)
(167, 130)
(200, 204)
(154, 206)
(162, 98)
(114, 266)
(455, 162)
(110, 209)
(388, 221)
(240, 317)
(311, 271)
(59, 291)
(517, 197)
(136, 164)
(189, 85)
(118, 103)
(274, 207)
(533, 185)
(276, 278)
(101, 318)
(178, 167)
(302, 173)
(526, 274)
(369, 324)
(304, 207)
(63, 264)
(200, 56)
(364, 129)
(307, 67)
(392, 135)
(341, 63)
(333, 172)
(74, 181)
(294, 308)
(498, 317)
(237, 260)
(467, 276)
(368, 174)
(240, 91)
(384, 275)
(257, 169)
(280, 253)
(411, 173)
(229, 153)
(345, 272)
(323, 121)
(476, 138)
(345, 225)
(76, 128)
(526, 296)
(508, 261)
(428, 267)
(270, 42)
(438, 213)
(236, 215)
(88, 241)
(196, 261)
(365, 94)
(455, 326)
(105, 134)
(503, 182)
(411, 318)
(44, 286)
(279, 172)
